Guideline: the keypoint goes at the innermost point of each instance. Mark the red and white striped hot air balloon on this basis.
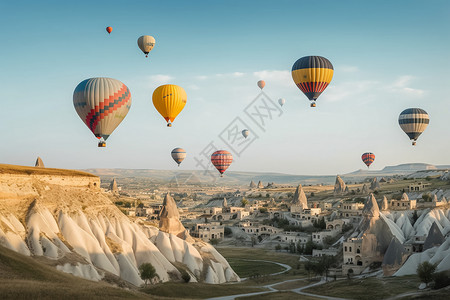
(221, 159)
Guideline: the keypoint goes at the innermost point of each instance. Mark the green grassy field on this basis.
(278, 296)
(246, 268)
(369, 288)
(198, 290)
(22, 277)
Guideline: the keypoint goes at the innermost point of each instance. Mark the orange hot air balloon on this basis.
(261, 84)
(109, 29)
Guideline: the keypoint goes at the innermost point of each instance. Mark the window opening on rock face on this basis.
(95, 183)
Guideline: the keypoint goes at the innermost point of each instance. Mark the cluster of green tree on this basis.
(282, 223)
(427, 273)
(299, 248)
(320, 223)
(321, 266)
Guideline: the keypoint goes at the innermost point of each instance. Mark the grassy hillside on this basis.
(23, 277)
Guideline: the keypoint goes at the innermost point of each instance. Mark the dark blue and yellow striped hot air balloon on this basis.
(312, 74)
(221, 159)
(102, 104)
(368, 158)
(413, 121)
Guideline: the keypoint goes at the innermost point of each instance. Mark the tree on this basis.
(278, 247)
(148, 272)
(227, 231)
(244, 202)
(425, 271)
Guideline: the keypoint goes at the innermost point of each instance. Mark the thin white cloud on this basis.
(238, 74)
(201, 77)
(402, 85)
(161, 79)
(350, 89)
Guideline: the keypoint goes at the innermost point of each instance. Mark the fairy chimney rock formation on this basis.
(299, 202)
(435, 199)
(374, 184)
(434, 238)
(225, 203)
(113, 187)
(364, 189)
(169, 218)
(384, 204)
(39, 163)
(371, 209)
(394, 257)
(252, 184)
(339, 186)
(260, 185)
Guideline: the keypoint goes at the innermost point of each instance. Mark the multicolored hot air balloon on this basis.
(281, 101)
(169, 100)
(312, 74)
(178, 155)
(261, 84)
(245, 133)
(368, 158)
(109, 29)
(413, 121)
(221, 159)
(146, 43)
(102, 103)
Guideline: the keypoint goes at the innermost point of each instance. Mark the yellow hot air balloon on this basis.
(146, 43)
(169, 100)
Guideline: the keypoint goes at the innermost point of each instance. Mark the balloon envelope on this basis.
(368, 158)
(221, 159)
(312, 74)
(169, 100)
(146, 43)
(102, 104)
(261, 84)
(245, 133)
(178, 155)
(109, 29)
(413, 122)
(281, 101)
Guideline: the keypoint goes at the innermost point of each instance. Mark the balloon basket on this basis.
(313, 104)
(413, 143)
(101, 144)
(169, 124)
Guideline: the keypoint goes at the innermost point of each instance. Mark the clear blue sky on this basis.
(387, 56)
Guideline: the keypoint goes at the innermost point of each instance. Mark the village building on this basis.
(403, 204)
(418, 186)
(294, 237)
(325, 252)
(208, 231)
(352, 256)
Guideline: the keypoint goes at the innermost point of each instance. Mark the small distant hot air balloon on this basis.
(102, 104)
(169, 100)
(109, 29)
(178, 155)
(261, 84)
(368, 158)
(413, 122)
(281, 101)
(221, 159)
(245, 133)
(146, 43)
(312, 74)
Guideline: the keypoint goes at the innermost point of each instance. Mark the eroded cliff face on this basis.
(66, 217)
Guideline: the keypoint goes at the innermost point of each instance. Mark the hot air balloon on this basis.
(312, 74)
(221, 159)
(413, 121)
(281, 101)
(178, 155)
(109, 29)
(245, 133)
(146, 43)
(102, 103)
(368, 158)
(261, 84)
(169, 100)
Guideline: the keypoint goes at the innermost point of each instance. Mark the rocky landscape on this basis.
(63, 215)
